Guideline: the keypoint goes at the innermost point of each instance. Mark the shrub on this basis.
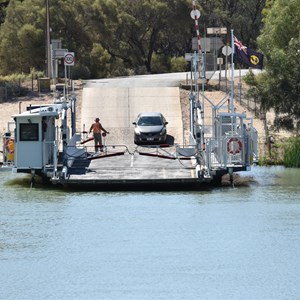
(178, 64)
(292, 153)
(284, 122)
(160, 64)
(17, 84)
(80, 71)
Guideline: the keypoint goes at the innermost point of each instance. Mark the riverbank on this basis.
(19, 104)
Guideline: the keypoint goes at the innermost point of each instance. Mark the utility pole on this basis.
(48, 49)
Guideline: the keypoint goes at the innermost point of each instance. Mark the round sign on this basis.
(69, 59)
(195, 14)
(226, 50)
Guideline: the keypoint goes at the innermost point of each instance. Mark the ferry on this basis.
(44, 142)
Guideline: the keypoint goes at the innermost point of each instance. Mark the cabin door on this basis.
(28, 146)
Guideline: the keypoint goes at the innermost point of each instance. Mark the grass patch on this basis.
(13, 85)
(291, 158)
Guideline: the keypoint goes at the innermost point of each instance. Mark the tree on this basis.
(71, 22)
(116, 37)
(243, 16)
(22, 38)
(280, 43)
(22, 35)
(133, 30)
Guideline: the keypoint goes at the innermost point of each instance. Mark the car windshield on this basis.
(150, 121)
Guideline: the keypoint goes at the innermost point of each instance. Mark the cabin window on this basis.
(29, 132)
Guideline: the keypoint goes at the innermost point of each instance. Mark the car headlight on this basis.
(137, 132)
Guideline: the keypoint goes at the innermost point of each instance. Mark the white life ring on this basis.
(234, 146)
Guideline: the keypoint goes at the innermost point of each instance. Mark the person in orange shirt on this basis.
(97, 128)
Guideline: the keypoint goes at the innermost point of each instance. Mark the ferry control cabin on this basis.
(38, 139)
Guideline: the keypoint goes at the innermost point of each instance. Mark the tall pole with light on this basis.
(198, 122)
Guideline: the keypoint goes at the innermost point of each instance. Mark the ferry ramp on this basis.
(124, 164)
(118, 107)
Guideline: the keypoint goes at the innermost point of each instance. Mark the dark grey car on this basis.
(150, 128)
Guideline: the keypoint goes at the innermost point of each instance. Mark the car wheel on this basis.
(165, 139)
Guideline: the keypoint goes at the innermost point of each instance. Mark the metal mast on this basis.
(197, 110)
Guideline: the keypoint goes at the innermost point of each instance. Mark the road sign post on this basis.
(69, 61)
(226, 50)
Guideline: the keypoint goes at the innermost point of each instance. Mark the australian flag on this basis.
(247, 56)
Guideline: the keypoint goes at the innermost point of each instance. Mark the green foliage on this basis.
(292, 153)
(178, 64)
(258, 89)
(284, 122)
(280, 42)
(135, 30)
(286, 152)
(80, 71)
(116, 37)
(243, 16)
(22, 38)
(101, 61)
(20, 77)
(160, 63)
(13, 82)
(254, 91)
(3, 5)
(269, 161)
(35, 73)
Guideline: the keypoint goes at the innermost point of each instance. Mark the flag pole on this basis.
(232, 74)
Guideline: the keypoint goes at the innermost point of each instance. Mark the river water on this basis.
(223, 243)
